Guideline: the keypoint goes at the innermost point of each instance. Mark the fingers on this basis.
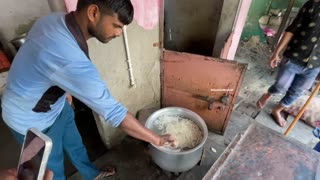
(168, 140)
(48, 175)
(274, 63)
(9, 174)
(69, 98)
(13, 171)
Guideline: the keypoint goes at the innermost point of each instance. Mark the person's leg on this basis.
(74, 148)
(301, 83)
(276, 114)
(283, 81)
(263, 100)
(56, 158)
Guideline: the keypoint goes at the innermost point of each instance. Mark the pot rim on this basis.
(203, 124)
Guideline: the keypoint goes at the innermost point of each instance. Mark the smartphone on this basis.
(34, 155)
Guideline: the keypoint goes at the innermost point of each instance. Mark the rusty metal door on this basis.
(205, 85)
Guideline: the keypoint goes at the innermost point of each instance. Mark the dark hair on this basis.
(123, 8)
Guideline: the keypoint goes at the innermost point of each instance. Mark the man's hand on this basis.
(69, 98)
(166, 139)
(274, 61)
(132, 127)
(48, 175)
(9, 174)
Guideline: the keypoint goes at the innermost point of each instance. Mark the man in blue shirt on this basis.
(54, 60)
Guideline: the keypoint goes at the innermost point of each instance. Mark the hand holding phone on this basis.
(12, 174)
(34, 155)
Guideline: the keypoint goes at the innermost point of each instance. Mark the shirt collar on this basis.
(75, 30)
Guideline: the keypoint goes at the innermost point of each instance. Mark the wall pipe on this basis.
(125, 35)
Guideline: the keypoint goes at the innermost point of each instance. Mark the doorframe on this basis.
(231, 45)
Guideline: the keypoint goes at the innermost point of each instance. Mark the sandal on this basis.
(106, 173)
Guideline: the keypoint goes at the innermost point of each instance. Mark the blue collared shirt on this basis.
(51, 57)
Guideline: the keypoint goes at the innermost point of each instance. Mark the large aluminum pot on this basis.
(174, 161)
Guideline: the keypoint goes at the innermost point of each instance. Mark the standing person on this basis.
(301, 62)
(54, 60)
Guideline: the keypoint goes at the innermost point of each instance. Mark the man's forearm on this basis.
(133, 127)
(283, 43)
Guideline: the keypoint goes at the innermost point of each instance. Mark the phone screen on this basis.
(31, 157)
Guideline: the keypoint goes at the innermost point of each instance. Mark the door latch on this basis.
(225, 100)
(210, 100)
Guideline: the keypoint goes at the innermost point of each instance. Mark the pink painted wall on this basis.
(239, 23)
(71, 5)
(146, 12)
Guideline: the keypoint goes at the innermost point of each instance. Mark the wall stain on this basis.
(24, 28)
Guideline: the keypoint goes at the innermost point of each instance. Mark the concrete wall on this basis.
(111, 61)
(193, 25)
(17, 16)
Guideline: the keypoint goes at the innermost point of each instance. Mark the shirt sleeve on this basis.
(298, 21)
(82, 80)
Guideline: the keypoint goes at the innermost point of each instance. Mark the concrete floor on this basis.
(131, 161)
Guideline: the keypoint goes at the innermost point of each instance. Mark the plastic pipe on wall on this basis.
(125, 35)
